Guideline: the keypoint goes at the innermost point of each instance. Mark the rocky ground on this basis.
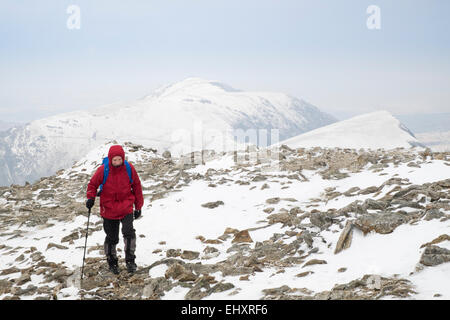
(284, 224)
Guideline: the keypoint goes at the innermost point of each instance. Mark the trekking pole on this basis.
(85, 243)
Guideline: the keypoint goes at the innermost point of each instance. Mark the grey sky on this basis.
(321, 51)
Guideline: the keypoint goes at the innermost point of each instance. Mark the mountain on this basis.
(372, 131)
(189, 115)
(309, 224)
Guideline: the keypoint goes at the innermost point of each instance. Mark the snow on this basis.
(370, 131)
(179, 219)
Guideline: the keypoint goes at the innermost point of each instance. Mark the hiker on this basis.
(118, 193)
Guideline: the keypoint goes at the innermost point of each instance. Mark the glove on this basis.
(90, 203)
(137, 214)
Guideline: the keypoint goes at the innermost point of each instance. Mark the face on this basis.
(116, 161)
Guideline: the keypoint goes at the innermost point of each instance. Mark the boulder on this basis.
(345, 239)
(242, 236)
(434, 255)
(383, 222)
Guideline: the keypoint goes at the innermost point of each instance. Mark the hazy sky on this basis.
(321, 51)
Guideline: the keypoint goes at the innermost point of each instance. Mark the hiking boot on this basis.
(131, 266)
(113, 266)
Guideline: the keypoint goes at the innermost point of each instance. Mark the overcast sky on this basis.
(320, 51)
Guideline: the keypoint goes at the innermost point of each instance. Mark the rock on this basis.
(345, 239)
(212, 205)
(72, 236)
(23, 279)
(259, 178)
(5, 286)
(220, 287)
(189, 255)
(350, 192)
(276, 291)
(433, 214)
(307, 237)
(369, 287)
(265, 186)
(172, 253)
(321, 219)
(269, 210)
(212, 241)
(230, 231)
(304, 274)
(313, 262)
(369, 190)
(155, 287)
(242, 236)
(210, 252)
(273, 200)
(434, 255)
(166, 154)
(384, 222)
(374, 204)
(342, 269)
(442, 237)
(286, 218)
(58, 246)
(178, 272)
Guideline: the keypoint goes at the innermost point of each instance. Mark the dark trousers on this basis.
(111, 228)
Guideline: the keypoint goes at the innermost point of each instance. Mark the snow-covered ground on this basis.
(176, 221)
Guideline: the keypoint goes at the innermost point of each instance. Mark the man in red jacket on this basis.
(116, 205)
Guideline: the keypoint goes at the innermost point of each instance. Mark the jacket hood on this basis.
(116, 150)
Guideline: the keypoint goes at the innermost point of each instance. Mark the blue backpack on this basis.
(106, 173)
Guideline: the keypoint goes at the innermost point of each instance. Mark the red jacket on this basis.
(118, 196)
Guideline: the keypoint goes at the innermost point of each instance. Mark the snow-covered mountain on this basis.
(192, 114)
(310, 224)
(370, 131)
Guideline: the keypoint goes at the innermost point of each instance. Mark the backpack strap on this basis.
(127, 165)
(105, 173)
